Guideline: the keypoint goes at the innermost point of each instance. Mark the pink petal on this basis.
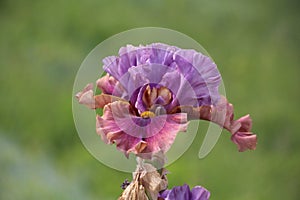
(111, 132)
(103, 99)
(244, 140)
(222, 114)
(246, 123)
(143, 137)
(86, 96)
(162, 140)
(107, 84)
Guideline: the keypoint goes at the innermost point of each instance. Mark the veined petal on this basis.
(196, 71)
(164, 138)
(143, 137)
(111, 132)
(201, 73)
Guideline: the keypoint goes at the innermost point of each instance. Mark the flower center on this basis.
(147, 114)
(156, 95)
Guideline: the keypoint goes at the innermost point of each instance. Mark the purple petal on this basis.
(184, 193)
(200, 193)
(111, 66)
(162, 54)
(179, 193)
(198, 71)
(138, 77)
(201, 72)
(130, 56)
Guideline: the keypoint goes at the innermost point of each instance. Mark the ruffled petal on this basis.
(201, 73)
(129, 56)
(86, 96)
(107, 84)
(165, 137)
(111, 132)
(140, 136)
(244, 140)
(222, 114)
(193, 70)
(246, 123)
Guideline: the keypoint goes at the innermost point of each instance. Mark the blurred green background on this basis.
(42, 44)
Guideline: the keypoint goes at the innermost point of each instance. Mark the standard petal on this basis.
(198, 74)
(129, 56)
(138, 78)
(201, 73)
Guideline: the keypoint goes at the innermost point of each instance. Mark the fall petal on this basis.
(107, 84)
(246, 123)
(103, 99)
(86, 96)
(244, 140)
(164, 138)
(143, 137)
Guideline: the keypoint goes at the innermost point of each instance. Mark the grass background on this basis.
(42, 44)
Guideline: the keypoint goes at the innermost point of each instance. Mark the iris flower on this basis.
(151, 92)
(184, 193)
